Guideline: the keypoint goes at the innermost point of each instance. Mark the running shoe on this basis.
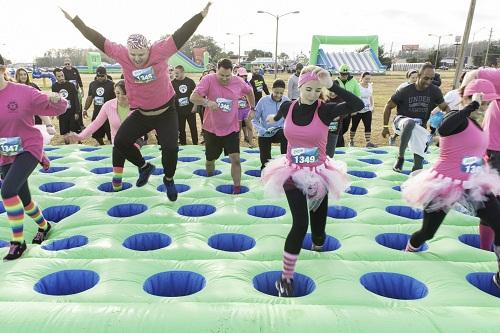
(15, 251)
(41, 235)
(398, 167)
(144, 174)
(170, 189)
(284, 287)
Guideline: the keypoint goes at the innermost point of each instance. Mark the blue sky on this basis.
(35, 26)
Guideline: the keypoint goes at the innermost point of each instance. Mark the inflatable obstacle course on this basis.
(133, 261)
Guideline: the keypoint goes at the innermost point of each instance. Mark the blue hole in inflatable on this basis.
(264, 282)
(89, 149)
(228, 189)
(2, 208)
(472, 240)
(370, 160)
(4, 243)
(394, 285)
(147, 241)
(57, 213)
(158, 172)
(102, 170)
(356, 190)
(484, 282)
(411, 160)
(406, 172)
(127, 210)
(147, 158)
(330, 244)
(53, 169)
(67, 282)
(227, 160)
(340, 152)
(96, 158)
(397, 241)
(341, 212)
(188, 159)
(405, 211)
(397, 188)
(252, 151)
(180, 188)
(50, 148)
(362, 174)
(174, 284)
(253, 173)
(54, 157)
(67, 243)
(377, 151)
(108, 187)
(266, 211)
(196, 210)
(55, 186)
(231, 242)
(203, 172)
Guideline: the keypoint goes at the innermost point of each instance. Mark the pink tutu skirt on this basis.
(434, 191)
(315, 182)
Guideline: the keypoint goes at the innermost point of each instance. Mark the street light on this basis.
(439, 44)
(239, 41)
(470, 61)
(277, 17)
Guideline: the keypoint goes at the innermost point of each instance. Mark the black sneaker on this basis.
(41, 235)
(15, 251)
(317, 248)
(496, 279)
(284, 287)
(398, 167)
(170, 189)
(144, 174)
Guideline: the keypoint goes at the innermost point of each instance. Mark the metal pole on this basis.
(465, 41)
(239, 49)
(276, 50)
(437, 52)
(488, 48)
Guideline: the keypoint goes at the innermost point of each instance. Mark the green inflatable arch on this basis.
(317, 40)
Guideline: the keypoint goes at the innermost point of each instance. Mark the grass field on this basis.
(383, 88)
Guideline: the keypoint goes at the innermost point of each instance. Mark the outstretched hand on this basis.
(66, 14)
(204, 12)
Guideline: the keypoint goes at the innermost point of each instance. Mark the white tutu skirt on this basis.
(433, 191)
(315, 182)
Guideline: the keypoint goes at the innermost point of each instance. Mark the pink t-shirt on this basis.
(18, 104)
(491, 122)
(224, 121)
(108, 112)
(148, 87)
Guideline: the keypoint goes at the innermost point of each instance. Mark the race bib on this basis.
(224, 104)
(242, 103)
(259, 89)
(471, 164)
(74, 83)
(183, 101)
(98, 100)
(144, 75)
(305, 155)
(11, 146)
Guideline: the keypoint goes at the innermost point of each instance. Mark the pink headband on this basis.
(309, 76)
(137, 41)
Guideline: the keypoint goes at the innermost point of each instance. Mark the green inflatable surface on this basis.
(132, 261)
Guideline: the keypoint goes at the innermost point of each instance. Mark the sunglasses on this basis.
(101, 75)
(67, 64)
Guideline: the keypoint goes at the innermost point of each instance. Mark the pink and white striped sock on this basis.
(289, 261)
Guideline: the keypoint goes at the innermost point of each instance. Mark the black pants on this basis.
(300, 219)
(494, 159)
(331, 144)
(15, 177)
(265, 146)
(343, 128)
(136, 125)
(102, 131)
(432, 220)
(191, 120)
(365, 117)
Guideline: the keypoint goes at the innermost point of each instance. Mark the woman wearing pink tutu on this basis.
(460, 174)
(305, 174)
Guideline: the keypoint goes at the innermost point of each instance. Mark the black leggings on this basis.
(136, 125)
(432, 220)
(15, 177)
(366, 117)
(265, 146)
(300, 219)
(191, 120)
